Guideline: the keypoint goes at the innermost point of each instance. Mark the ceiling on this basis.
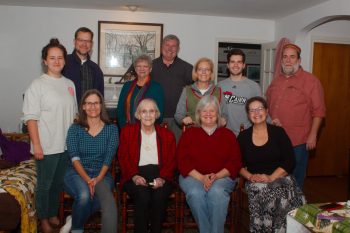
(260, 9)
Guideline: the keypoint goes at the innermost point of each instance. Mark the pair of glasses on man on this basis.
(84, 41)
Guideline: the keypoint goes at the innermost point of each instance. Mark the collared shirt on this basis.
(295, 101)
(72, 71)
(86, 77)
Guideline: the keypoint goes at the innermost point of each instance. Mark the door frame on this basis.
(235, 40)
(324, 39)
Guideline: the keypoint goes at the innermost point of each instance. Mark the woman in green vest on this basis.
(203, 77)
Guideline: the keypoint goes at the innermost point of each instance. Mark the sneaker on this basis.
(66, 227)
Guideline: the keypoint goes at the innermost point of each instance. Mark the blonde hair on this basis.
(195, 68)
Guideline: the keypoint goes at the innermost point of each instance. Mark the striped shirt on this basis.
(86, 78)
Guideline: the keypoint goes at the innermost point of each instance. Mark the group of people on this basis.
(73, 147)
(231, 130)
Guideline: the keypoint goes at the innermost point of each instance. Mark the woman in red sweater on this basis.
(208, 160)
(147, 162)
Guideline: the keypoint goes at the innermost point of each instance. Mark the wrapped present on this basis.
(320, 220)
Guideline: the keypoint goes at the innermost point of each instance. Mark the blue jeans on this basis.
(209, 209)
(301, 159)
(84, 206)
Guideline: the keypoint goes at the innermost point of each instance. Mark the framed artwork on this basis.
(253, 59)
(119, 43)
(112, 92)
(222, 70)
(253, 72)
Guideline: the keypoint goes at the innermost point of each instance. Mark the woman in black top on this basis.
(268, 159)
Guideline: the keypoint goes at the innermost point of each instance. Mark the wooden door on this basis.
(331, 64)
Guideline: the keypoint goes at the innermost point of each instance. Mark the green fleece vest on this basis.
(192, 99)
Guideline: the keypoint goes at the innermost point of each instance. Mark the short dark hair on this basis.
(83, 29)
(255, 98)
(235, 52)
(82, 119)
(54, 43)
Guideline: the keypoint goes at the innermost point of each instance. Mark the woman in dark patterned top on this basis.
(92, 143)
(268, 159)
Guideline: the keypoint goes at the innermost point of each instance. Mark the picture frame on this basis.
(222, 70)
(253, 72)
(111, 95)
(119, 43)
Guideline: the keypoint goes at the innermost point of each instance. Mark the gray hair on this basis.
(171, 37)
(143, 57)
(141, 106)
(205, 102)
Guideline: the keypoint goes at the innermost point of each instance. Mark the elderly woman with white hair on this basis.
(147, 162)
(208, 160)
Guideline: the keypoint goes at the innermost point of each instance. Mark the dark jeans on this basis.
(50, 172)
(150, 204)
(301, 161)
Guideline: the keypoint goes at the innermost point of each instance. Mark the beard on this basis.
(81, 53)
(290, 70)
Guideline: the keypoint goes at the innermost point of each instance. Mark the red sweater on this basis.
(208, 153)
(129, 152)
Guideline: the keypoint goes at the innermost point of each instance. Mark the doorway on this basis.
(253, 60)
(331, 64)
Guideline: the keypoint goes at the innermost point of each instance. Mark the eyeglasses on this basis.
(84, 41)
(90, 104)
(144, 112)
(204, 70)
(141, 67)
(256, 110)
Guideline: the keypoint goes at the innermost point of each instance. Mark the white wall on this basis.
(299, 26)
(332, 32)
(25, 30)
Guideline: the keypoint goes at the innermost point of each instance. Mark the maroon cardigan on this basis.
(208, 153)
(129, 152)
